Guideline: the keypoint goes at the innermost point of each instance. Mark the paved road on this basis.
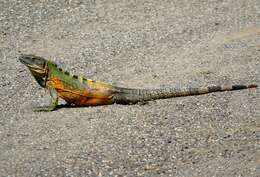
(142, 44)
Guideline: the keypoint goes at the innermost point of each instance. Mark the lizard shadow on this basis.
(61, 106)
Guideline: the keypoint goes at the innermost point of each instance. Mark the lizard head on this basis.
(37, 66)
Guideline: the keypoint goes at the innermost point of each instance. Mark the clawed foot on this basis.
(44, 109)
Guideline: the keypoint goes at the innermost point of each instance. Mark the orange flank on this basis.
(90, 94)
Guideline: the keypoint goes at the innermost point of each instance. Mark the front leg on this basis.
(54, 99)
(53, 104)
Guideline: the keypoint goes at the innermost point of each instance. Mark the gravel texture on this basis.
(142, 44)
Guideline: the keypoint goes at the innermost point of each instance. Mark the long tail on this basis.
(127, 96)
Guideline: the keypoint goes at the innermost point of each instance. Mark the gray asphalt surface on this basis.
(140, 44)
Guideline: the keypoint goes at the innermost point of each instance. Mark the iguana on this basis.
(85, 92)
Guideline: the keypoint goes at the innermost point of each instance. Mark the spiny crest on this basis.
(75, 76)
(53, 63)
(80, 78)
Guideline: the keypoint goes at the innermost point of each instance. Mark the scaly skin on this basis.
(85, 92)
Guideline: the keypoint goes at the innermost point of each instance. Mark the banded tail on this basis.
(126, 95)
